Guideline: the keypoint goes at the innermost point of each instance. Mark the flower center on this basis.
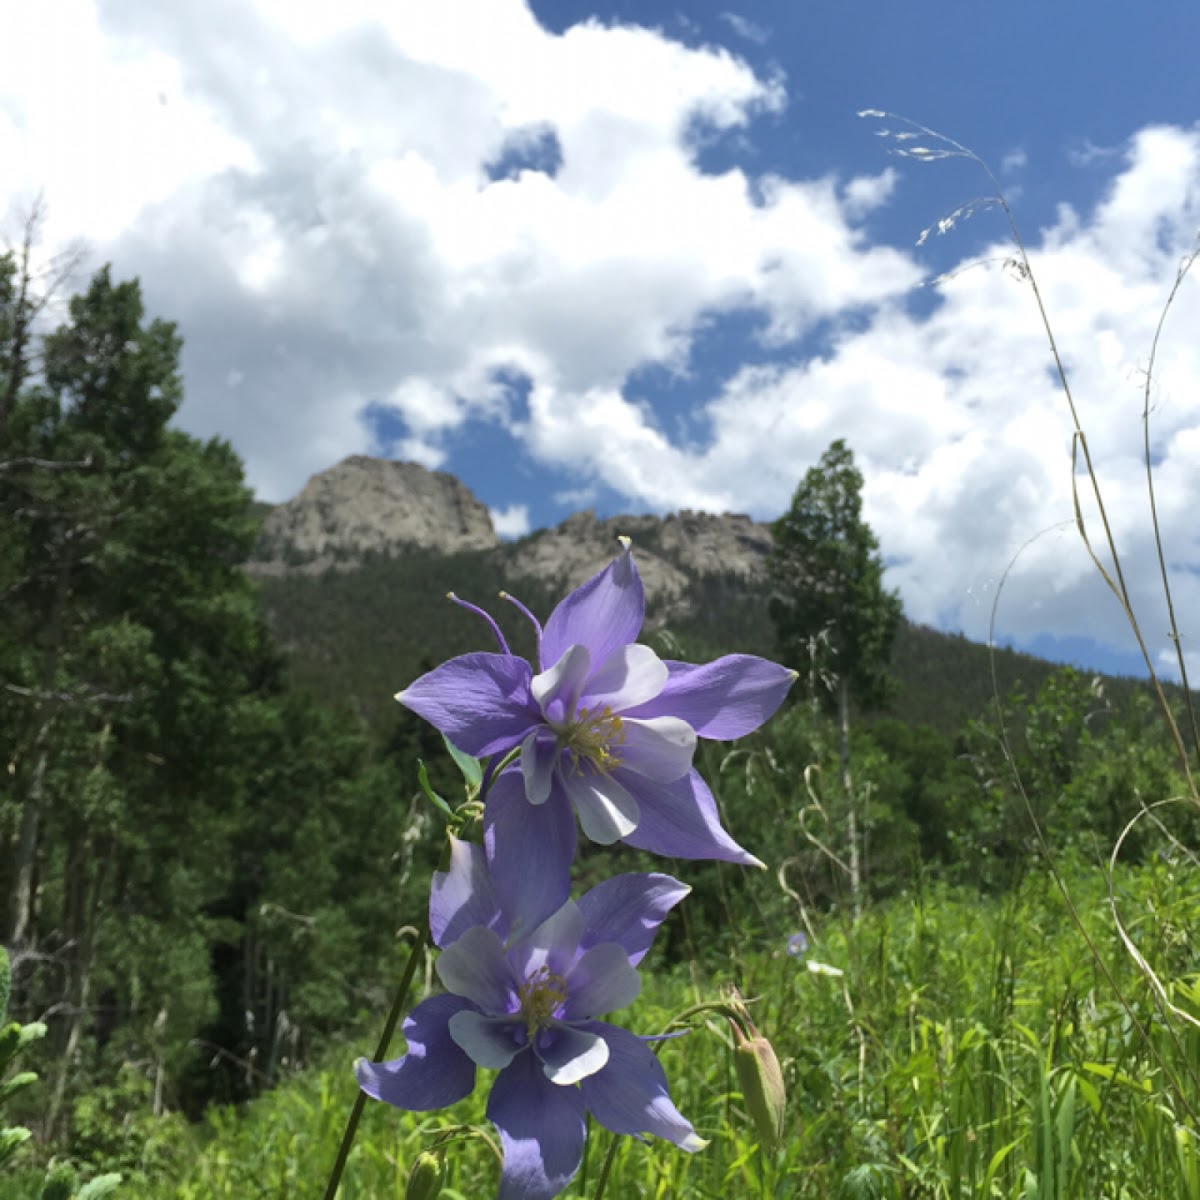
(540, 996)
(592, 737)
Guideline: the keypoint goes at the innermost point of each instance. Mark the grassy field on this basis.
(968, 1048)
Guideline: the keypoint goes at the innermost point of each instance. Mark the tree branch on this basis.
(83, 696)
(48, 464)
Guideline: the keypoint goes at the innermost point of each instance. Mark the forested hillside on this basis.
(356, 637)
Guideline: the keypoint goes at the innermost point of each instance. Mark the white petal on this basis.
(602, 981)
(573, 1054)
(660, 747)
(475, 966)
(607, 812)
(632, 675)
(554, 944)
(820, 968)
(539, 754)
(491, 1042)
(557, 689)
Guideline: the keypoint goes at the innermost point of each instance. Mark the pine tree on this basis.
(834, 620)
(131, 646)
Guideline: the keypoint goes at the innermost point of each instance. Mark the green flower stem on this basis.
(608, 1162)
(410, 969)
(718, 1006)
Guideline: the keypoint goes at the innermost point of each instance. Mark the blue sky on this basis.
(644, 257)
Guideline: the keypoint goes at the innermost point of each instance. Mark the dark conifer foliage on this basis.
(180, 838)
(832, 613)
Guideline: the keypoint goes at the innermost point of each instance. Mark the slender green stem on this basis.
(604, 1170)
(410, 969)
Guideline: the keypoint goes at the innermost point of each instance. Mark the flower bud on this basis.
(761, 1081)
(426, 1177)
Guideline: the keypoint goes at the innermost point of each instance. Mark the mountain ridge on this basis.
(363, 508)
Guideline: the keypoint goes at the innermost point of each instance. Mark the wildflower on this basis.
(605, 728)
(527, 1007)
(797, 945)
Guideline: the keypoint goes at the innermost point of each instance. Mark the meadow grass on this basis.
(970, 1048)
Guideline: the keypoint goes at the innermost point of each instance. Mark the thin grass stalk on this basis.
(1056, 875)
(1039, 833)
(1180, 276)
(1156, 984)
(1024, 267)
(385, 1040)
(602, 1182)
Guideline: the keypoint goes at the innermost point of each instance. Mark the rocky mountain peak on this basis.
(372, 506)
(365, 506)
(672, 552)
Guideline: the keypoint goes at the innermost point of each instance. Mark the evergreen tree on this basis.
(131, 646)
(834, 620)
(197, 863)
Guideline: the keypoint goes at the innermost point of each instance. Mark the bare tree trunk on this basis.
(159, 1072)
(160, 1065)
(81, 910)
(848, 788)
(77, 1001)
(86, 875)
(21, 902)
(17, 362)
(35, 289)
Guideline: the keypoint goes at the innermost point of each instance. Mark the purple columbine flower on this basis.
(527, 1007)
(797, 945)
(605, 727)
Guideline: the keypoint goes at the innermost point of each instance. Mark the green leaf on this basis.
(471, 768)
(834, 619)
(102, 1185)
(1065, 1129)
(32, 1032)
(1105, 1071)
(1090, 1094)
(11, 1140)
(14, 1037)
(60, 1183)
(997, 1161)
(16, 1083)
(431, 795)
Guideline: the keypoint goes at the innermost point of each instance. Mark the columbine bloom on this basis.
(797, 945)
(605, 728)
(528, 1007)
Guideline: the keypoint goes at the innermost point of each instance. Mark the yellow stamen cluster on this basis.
(593, 737)
(540, 995)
